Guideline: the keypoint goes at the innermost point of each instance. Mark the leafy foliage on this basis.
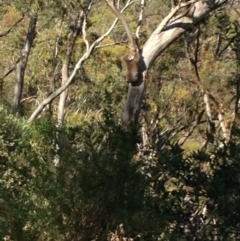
(170, 178)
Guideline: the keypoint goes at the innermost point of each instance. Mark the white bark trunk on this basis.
(63, 96)
(163, 37)
(165, 34)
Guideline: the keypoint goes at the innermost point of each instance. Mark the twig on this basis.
(9, 71)
(11, 28)
(192, 128)
(108, 45)
(28, 98)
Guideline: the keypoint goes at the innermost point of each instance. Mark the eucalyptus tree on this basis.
(181, 18)
(71, 20)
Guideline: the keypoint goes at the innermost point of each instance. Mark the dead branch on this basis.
(30, 98)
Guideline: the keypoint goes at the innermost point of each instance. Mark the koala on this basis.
(131, 61)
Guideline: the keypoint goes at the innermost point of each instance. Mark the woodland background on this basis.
(74, 173)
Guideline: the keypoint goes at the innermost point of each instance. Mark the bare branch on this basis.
(112, 5)
(56, 93)
(84, 32)
(225, 129)
(160, 40)
(172, 4)
(63, 96)
(29, 98)
(108, 45)
(5, 33)
(192, 128)
(220, 52)
(9, 71)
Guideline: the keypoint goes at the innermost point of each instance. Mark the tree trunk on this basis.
(22, 64)
(63, 96)
(166, 33)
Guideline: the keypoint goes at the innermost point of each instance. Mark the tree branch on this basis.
(87, 54)
(192, 128)
(119, 15)
(5, 33)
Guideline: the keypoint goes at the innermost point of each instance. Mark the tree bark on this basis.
(22, 64)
